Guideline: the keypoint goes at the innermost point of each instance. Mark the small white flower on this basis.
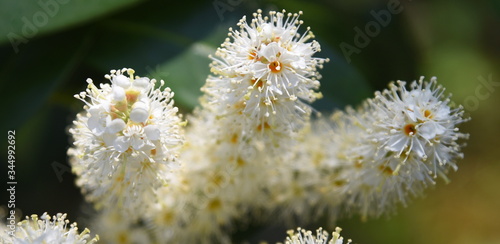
(139, 113)
(307, 237)
(47, 229)
(121, 81)
(115, 126)
(128, 129)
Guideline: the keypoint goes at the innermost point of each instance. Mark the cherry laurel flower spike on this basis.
(125, 141)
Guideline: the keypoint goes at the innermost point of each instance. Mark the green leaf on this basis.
(342, 84)
(22, 20)
(186, 73)
(29, 78)
(176, 52)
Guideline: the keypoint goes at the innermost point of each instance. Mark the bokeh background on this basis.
(48, 48)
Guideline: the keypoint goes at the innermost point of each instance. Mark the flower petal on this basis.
(152, 132)
(121, 144)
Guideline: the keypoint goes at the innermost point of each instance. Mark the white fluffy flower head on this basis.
(418, 123)
(47, 229)
(125, 139)
(406, 138)
(322, 237)
(266, 68)
(130, 115)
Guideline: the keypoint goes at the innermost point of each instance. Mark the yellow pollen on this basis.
(168, 217)
(240, 162)
(275, 66)
(386, 170)
(217, 179)
(428, 114)
(265, 126)
(123, 238)
(214, 204)
(339, 182)
(410, 129)
(132, 96)
(257, 83)
(234, 138)
(253, 55)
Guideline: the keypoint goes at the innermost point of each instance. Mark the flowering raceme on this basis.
(395, 144)
(266, 69)
(251, 114)
(252, 152)
(125, 141)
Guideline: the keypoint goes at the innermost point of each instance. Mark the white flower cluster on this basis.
(251, 151)
(251, 113)
(125, 141)
(395, 145)
(322, 237)
(266, 70)
(47, 229)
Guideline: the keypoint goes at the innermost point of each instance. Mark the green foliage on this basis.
(48, 52)
(40, 17)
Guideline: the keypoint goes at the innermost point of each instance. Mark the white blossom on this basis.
(418, 123)
(47, 229)
(400, 142)
(125, 141)
(252, 151)
(322, 237)
(266, 72)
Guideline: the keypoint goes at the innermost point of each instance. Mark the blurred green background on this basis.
(48, 48)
